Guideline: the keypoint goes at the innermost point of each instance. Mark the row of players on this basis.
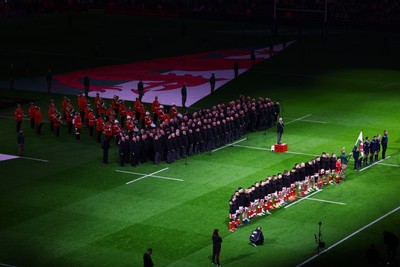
(277, 190)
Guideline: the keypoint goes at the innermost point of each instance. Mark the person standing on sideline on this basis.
(140, 88)
(236, 68)
(21, 142)
(212, 83)
(184, 95)
(253, 58)
(384, 143)
(105, 146)
(86, 84)
(279, 129)
(344, 159)
(148, 262)
(49, 80)
(391, 241)
(217, 240)
(356, 157)
(18, 116)
(366, 151)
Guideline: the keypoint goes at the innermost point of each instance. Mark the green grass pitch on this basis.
(74, 211)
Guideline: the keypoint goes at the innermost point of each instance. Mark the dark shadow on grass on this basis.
(238, 257)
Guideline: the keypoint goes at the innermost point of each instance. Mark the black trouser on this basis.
(105, 155)
(32, 123)
(39, 128)
(384, 147)
(215, 255)
(57, 128)
(19, 126)
(98, 136)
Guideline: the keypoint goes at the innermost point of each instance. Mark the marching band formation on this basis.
(159, 134)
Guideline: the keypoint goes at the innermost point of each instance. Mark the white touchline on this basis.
(298, 119)
(327, 201)
(231, 144)
(147, 175)
(373, 164)
(315, 121)
(42, 160)
(347, 237)
(7, 265)
(155, 176)
(301, 199)
(393, 165)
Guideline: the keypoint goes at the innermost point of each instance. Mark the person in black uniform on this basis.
(184, 95)
(140, 88)
(135, 151)
(216, 240)
(257, 237)
(384, 143)
(121, 148)
(148, 262)
(212, 83)
(49, 80)
(373, 149)
(366, 151)
(157, 150)
(86, 84)
(236, 68)
(279, 128)
(105, 146)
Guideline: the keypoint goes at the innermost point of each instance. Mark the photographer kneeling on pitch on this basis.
(257, 237)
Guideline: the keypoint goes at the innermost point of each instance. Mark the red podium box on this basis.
(280, 148)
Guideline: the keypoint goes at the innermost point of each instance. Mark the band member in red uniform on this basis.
(147, 120)
(122, 113)
(50, 113)
(96, 102)
(154, 108)
(174, 111)
(18, 115)
(32, 113)
(107, 130)
(115, 105)
(70, 117)
(91, 119)
(101, 108)
(57, 119)
(38, 120)
(82, 105)
(64, 106)
(99, 128)
(78, 126)
(129, 113)
(136, 107)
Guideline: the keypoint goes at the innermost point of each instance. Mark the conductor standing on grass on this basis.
(279, 129)
(212, 83)
(217, 240)
(344, 160)
(148, 262)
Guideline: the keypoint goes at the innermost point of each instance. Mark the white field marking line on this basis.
(347, 237)
(393, 165)
(147, 175)
(7, 265)
(324, 122)
(42, 160)
(253, 147)
(231, 144)
(155, 176)
(301, 199)
(298, 119)
(309, 120)
(373, 164)
(390, 84)
(327, 201)
(266, 149)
